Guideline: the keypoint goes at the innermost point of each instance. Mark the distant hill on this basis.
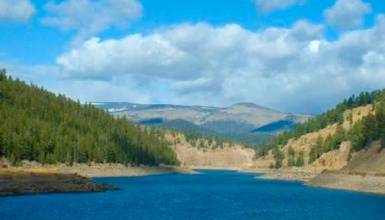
(38, 125)
(245, 122)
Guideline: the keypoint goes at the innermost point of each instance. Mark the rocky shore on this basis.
(17, 182)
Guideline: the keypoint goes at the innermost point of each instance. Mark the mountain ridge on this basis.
(241, 118)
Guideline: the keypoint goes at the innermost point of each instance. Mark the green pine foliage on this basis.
(300, 162)
(279, 156)
(293, 160)
(37, 125)
(291, 157)
(205, 141)
(316, 150)
(370, 128)
(321, 121)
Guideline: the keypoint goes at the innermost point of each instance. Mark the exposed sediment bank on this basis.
(288, 175)
(358, 182)
(17, 182)
(117, 170)
(369, 183)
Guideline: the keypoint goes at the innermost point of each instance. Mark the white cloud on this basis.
(16, 10)
(292, 69)
(314, 46)
(267, 6)
(90, 17)
(347, 14)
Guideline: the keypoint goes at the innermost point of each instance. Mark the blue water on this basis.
(210, 195)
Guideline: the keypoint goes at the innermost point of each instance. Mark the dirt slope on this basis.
(369, 161)
(212, 155)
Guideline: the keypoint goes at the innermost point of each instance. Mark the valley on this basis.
(337, 149)
(192, 110)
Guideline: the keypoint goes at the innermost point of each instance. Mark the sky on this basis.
(300, 56)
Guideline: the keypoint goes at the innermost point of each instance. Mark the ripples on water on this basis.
(210, 195)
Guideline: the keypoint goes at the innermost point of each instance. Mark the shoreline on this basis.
(362, 182)
(366, 183)
(118, 170)
(94, 170)
(18, 182)
(338, 180)
(34, 178)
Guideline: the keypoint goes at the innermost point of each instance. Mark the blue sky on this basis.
(171, 51)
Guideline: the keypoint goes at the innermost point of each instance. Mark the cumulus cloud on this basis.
(292, 69)
(90, 17)
(347, 14)
(267, 6)
(18, 11)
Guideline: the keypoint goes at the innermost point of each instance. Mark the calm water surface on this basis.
(210, 195)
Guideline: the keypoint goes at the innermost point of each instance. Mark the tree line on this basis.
(38, 125)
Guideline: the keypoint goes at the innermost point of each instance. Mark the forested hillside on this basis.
(360, 133)
(332, 116)
(37, 125)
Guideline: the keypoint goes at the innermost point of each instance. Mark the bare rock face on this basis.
(264, 162)
(305, 143)
(334, 160)
(227, 157)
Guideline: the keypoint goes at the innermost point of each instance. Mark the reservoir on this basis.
(208, 195)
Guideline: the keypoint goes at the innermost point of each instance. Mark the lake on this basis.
(209, 195)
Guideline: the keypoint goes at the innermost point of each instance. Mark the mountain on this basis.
(241, 121)
(37, 125)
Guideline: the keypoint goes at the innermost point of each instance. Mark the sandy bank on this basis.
(115, 170)
(100, 170)
(359, 182)
(290, 176)
(353, 182)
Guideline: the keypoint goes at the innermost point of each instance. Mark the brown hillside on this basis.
(332, 160)
(371, 160)
(210, 154)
